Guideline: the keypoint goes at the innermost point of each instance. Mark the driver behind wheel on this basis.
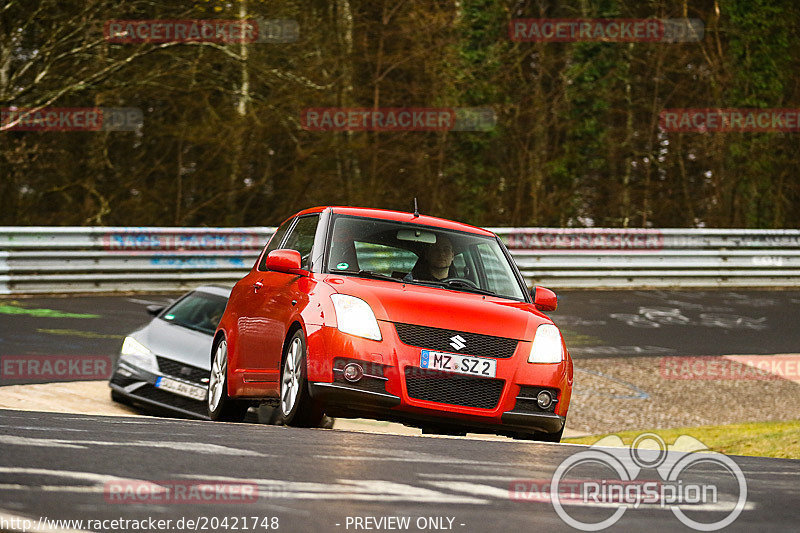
(436, 262)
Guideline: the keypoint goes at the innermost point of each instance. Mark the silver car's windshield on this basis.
(413, 253)
(199, 311)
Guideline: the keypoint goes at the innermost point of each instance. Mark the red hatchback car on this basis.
(370, 313)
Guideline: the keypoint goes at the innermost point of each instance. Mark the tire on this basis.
(548, 437)
(273, 417)
(296, 406)
(270, 415)
(327, 422)
(222, 407)
(539, 436)
(430, 430)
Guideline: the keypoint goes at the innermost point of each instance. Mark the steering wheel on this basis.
(463, 280)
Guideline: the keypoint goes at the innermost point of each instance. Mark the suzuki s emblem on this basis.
(458, 342)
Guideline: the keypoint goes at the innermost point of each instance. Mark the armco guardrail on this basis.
(608, 258)
(96, 259)
(77, 259)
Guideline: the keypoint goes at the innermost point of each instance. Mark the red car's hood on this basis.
(443, 308)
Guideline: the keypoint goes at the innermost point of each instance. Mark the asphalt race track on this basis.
(595, 323)
(682, 323)
(64, 467)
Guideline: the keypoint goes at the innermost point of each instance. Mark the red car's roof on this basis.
(400, 216)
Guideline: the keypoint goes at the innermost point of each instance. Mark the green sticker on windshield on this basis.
(169, 317)
(342, 266)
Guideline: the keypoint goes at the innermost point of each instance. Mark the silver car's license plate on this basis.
(181, 388)
(462, 364)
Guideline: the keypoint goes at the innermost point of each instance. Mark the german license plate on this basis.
(181, 388)
(462, 364)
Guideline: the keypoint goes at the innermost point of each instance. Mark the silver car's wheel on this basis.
(220, 405)
(216, 382)
(297, 406)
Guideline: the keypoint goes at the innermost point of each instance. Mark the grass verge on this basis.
(763, 439)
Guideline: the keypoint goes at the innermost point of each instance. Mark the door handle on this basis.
(257, 285)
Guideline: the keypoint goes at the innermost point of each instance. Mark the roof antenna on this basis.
(416, 210)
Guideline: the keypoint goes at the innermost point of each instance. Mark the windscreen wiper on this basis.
(472, 288)
(453, 284)
(368, 274)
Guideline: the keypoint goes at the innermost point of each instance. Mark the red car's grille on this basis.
(443, 340)
(453, 389)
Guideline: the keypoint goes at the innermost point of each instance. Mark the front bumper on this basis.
(506, 410)
(139, 386)
(345, 401)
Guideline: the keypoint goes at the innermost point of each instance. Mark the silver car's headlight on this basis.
(355, 316)
(546, 346)
(137, 354)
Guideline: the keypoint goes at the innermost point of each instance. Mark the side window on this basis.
(274, 242)
(460, 263)
(495, 266)
(301, 238)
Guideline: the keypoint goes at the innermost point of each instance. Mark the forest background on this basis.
(576, 143)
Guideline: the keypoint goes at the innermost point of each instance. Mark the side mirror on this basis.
(155, 309)
(544, 299)
(286, 261)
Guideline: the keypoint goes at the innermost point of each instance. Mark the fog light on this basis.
(353, 372)
(544, 399)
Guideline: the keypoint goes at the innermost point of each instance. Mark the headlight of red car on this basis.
(355, 316)
(546, 346)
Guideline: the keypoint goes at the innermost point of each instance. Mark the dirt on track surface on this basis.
(623, 393)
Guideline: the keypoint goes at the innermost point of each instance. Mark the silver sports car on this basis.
(166, 364)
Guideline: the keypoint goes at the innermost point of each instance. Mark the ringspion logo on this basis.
(682, 488)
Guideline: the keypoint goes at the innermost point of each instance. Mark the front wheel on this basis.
(220, 406)
(296, 405)
(548, 437)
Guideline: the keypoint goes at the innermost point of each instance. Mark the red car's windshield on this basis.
(414, 253)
